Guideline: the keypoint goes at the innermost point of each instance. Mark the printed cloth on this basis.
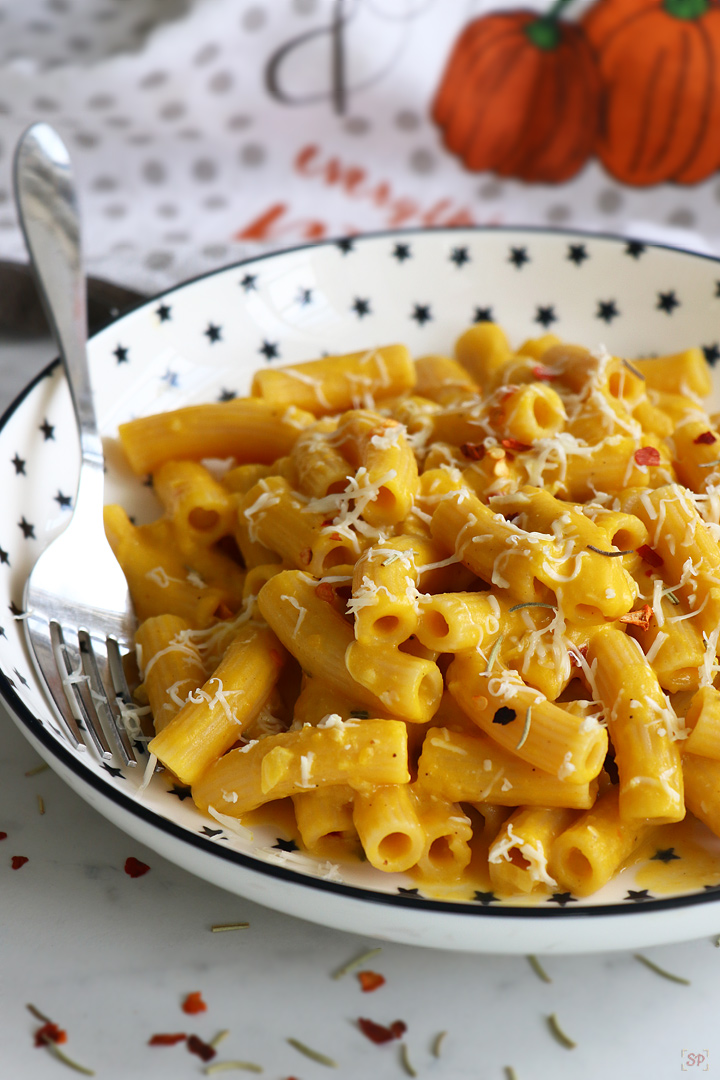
(204, 131)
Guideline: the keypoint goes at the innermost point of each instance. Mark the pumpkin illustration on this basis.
(520, 96)
(659, 64)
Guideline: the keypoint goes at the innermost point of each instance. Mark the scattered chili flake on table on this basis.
(203, 1050)
(647, 554)
(647, 455)
(370, 980)
(380, 1034)
(639, 618)
(18, 860)
(50, 1032)
(167, 1040)
(194, 1003)
(705, 438)
(135, 868)
(3, 836)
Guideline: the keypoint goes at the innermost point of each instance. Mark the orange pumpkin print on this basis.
(659, 64)
(520, 96)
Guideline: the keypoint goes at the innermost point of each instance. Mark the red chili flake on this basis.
(574, 662)
(639, 618)
(167, 1040)
(543, 373)
(325, 592)
(515, 444)
(370, 980)
(203, 1050)
(135, 868)
(50, 1032)
(194, 1003)
(379, 1034)
(3, 836)
(18, 860)
(475, 451)
(706, 438)
(647, 554)
(305, 556)
(335, 536)
(647, 455)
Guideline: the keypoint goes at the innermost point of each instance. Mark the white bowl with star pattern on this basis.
(201, 342)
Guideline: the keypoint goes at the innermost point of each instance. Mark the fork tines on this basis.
(89, 687)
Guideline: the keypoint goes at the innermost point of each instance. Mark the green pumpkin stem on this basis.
(545, 33)
(686, 9)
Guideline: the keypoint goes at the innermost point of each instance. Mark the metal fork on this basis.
(79, 618)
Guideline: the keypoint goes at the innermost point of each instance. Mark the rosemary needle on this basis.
(661, 971)
(559, 1034)
(526, 728)
(226, 1066)
(58, 1053)
(510, 1073)
(493, 654)
(405, 1060)
(356, 962)
(38, 1015)
(437, 1043)
(314, 1055)
(220, 927)
(538, 969)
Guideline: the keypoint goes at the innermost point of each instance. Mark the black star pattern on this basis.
(19, 464)
(15, 611)
(28, 530)
(163, 312)
(304, 297)
(667, 302)
(460, 256)
(712, 888)
(518, 257)
(408, 892)
(21, 677)
(635, 249)
(207, 831)
(712, 352)
(483, 314)
(637, 896)
(577, 253)
(485, 898)
(545, 315)
(63, 501)
(3, 634)
(249, 283)
(346, 245)
(421, 314)
(170, 377)
(607, 310)
(361, 306)
(270, 350)
(113, 771)
(47, 429)
(665, 855)
(227, 395)
(562, 898)
(401, 252)
(285, 845)
(4, 557)
(140, 747)
(181, 792)
(121, 354)
(213, 333)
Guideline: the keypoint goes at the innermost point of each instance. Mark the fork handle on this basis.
(50, 221)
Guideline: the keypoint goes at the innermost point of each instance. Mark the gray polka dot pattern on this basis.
(202, 133)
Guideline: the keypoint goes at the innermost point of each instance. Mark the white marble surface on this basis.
(111, 959)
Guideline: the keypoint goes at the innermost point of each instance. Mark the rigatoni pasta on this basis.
(458, 614)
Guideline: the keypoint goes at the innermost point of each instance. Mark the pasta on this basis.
(456, 615)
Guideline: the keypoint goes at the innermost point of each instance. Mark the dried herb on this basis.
(661, 971)
(538, 969)
(558, 1033)
(220, 928)
(226, 1066)
(405, 1060)
(526, 728)
(437, 1043)
(531, 603)
(58, 1053)
(37, 769)
(610, 554)
(314, 1055)
(633, 370)
(493, 655)
(356, 962)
